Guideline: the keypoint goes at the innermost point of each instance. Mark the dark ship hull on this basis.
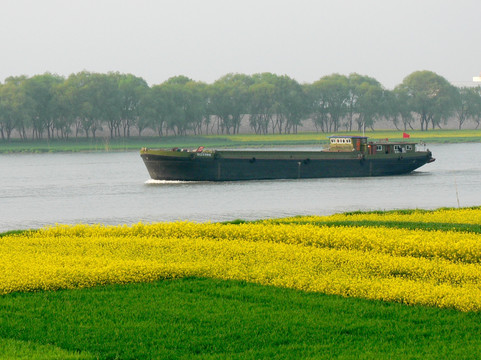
(233, 165)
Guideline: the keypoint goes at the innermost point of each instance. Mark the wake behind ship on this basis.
(347, 156)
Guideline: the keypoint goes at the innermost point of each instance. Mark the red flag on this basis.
(406, 136)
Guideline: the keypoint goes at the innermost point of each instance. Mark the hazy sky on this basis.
(206, 39)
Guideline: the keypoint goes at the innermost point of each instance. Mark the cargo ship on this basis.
(346, 156)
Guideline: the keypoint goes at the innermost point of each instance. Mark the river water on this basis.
(114, 188)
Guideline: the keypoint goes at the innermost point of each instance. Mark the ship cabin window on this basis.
(379, 148)
(340, 141)
(409, 147)
(398, 149)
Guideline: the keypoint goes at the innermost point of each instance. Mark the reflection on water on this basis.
(114, 188)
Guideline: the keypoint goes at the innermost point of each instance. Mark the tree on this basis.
(228, 101)
(196, 105)
(330, 96)
(371, 104)
(317, 107)
(185, 102)
(476, 105)
(366, 101)
(174, 107)
(146, 111)
(65, 116)
(95, 99)
(276, 101)
(398, 108)
(41, 90)
(155, 109)
(111, 105)
(131, 90)
(261, 105)
(290, 104)
(466, 104)
(15, 107)
(74, 96)
(431, 96)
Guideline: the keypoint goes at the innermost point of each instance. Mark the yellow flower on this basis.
(435, 268)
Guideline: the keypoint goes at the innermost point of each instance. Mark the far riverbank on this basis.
(102, 144)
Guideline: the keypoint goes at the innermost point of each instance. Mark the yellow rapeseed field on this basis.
(434, 268)
(451, 216)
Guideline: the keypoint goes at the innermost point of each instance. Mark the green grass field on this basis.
(222, 141)
(212, 319)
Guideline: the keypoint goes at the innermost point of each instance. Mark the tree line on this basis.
(85, 103)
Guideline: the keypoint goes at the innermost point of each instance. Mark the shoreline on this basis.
(223, 141)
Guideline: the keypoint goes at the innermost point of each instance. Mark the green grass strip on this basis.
(212, 319)
(473, 228)
(14, 232)
(407, 211)
(221, 141)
